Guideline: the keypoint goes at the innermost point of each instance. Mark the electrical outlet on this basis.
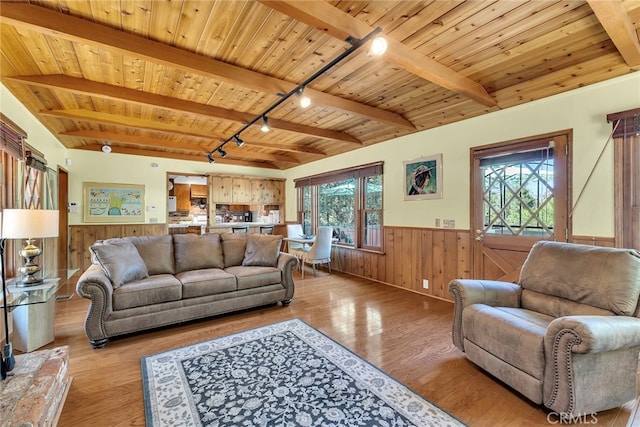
(425, 283)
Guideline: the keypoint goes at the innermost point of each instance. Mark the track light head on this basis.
(223, 153)
(239, 142)
(210, 157)
(304, 100)
(265, 124)
(378, 46)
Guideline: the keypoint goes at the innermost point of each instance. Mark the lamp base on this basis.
(7, 361)
(28, 280)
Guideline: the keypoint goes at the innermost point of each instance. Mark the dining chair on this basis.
(319, 253)
(266, 229)
(240, 229)
(294, 230)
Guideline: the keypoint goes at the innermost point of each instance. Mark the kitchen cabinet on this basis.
(183, 196)
(199, 191)
(221, 189)
(241, 190)
(267, 191)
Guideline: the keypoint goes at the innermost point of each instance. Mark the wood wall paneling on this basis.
(410, 254)
(83, 236)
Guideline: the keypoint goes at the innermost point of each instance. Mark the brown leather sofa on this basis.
(139, 283)
(566, 336)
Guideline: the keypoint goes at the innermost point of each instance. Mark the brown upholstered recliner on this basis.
(567, 335)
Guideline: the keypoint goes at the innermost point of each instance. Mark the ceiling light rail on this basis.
(298, 91)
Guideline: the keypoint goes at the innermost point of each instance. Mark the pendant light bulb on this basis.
(378, 46)
(305, 101)
(265, 124)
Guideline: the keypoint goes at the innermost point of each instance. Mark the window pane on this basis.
(306, 198)
(336, 207)
(372, 229)
(373, 192)
(518, 196)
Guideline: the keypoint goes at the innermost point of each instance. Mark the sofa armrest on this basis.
(286, 263)
(96, 286)
(490, 292)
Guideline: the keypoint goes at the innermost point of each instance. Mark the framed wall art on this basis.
(106, 202)
(423, 178)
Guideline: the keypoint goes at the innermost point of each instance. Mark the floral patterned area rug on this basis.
(284, 374)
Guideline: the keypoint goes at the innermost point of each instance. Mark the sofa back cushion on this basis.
(233, 246)
(197, 251)
(157, 253)
(120, 261)
(262, 250)
(605, 278)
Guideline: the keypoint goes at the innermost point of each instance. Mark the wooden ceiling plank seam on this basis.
(515, 37)
(342, 25)
(616, 22)
(191, 24)
(77, 29)
(543, 43)
(136, 16)
(150, 141)
(427, 17)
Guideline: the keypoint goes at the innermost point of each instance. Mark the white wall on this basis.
(583, 110)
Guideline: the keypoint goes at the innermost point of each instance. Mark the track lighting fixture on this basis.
(378, 47)
(304, 100)
(265, 124)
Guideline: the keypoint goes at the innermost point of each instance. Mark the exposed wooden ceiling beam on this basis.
(341, 25)
(156, 143)
(80, 30)
(286, 147)
(150, 141)
(178, 156)
(616, 22)
(126, 122)
(118, 93)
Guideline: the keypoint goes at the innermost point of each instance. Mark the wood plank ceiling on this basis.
(175, 78)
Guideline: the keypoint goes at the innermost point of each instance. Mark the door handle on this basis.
(479, 238)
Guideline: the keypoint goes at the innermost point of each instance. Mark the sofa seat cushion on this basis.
(150, 290)
(254, 277)
(514, 335)
(208, 281)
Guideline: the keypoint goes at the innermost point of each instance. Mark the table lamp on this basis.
(29, 224)
(22, 224)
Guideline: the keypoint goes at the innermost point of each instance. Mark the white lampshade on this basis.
(29, 223)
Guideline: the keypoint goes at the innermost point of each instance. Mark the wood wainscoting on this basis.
(85, 235)
(410, 255)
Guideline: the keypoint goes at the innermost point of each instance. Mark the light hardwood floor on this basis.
(405, 334)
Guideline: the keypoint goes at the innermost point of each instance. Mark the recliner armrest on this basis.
(594, 334)
(489, 292)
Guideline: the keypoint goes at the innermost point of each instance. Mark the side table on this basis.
(33, 310)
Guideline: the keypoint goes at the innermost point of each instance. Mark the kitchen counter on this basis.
(231, 224)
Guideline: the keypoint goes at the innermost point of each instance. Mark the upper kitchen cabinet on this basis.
(221, 189)
(267, 191)
(199, 191)
(183, 196)
(241, 190)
